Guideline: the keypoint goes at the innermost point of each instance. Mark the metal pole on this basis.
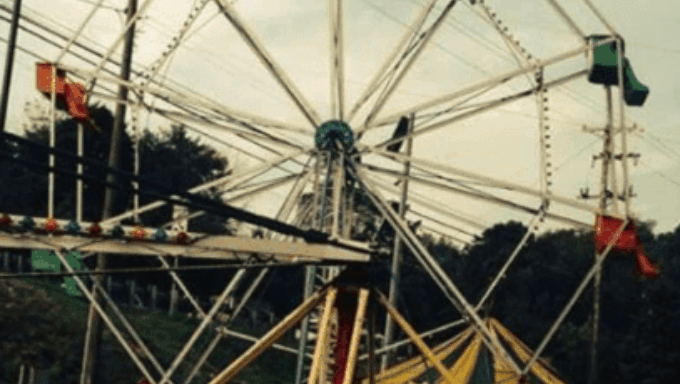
(606, 158)
(79, 182)
(396, 257)
(94, 326)
(9, 64)
(50, 187)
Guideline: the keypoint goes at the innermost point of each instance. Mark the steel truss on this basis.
(337, 175)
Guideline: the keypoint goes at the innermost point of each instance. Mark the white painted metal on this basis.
(277, 72)
(598, 262)
(380, 75)
(406, 67)
(568, 20)
(492, 81)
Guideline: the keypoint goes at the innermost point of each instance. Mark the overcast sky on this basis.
(502, 143)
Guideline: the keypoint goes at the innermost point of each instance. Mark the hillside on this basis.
(42, 326)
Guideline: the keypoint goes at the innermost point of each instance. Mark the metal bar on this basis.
(370, 345)
(413, 335)
(599, 260)
(9, 65)
(434, 269)
(379, 76)
(21, 374)
(276, 71)
(486, 179)
(337, 194)
(321, 347)
(178, 98)
(530, 231)
(493, 81)
(429, 205)
(74, 37)
(602, 19)
(79, 181)
(396, 256)
(94, 329)
(356, 336)
(53, 103)
(570, 22)
(624, 131)
(126, 324)
(400, 76)
(204, 323)
(176, 280)
(215, 183)
(407, 341)
(132, 15)
(336, 58)
(269, 338)
(204, 357)
(489, 106)
(106, 319)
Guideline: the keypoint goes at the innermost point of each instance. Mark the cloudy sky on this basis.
(501, 143)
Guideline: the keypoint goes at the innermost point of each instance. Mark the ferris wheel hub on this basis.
(334, 131)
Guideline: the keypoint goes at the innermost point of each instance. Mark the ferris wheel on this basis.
(468, 116)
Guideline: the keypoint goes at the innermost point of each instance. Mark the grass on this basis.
(165, 335)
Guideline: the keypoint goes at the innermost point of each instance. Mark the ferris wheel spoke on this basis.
(488, 106)
(496, 200)
(434, 269)
(179, 98)
(277, 72)
(414, 54)
(73, 38)
(381, 74)
(231, 178)
(491, 181)
(140, 12)
(568, 20)
(423, 202)
(337, 58)
(493, 81)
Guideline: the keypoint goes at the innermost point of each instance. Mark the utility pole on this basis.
(9, 64)
(94, 322)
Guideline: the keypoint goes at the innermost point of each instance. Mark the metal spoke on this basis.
(412, 59)
(380, 75)
(337, 58)
(489, 180)
(570, 22)
(431, 265)
(493, 81)
(258, 48)
(487, 107)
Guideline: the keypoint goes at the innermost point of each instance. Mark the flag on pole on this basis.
(605, 230)
(77, 105)
(70, 96)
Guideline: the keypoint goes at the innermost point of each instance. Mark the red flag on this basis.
(644, 265)
(44, 80)
(75, 97)
(605, 230)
